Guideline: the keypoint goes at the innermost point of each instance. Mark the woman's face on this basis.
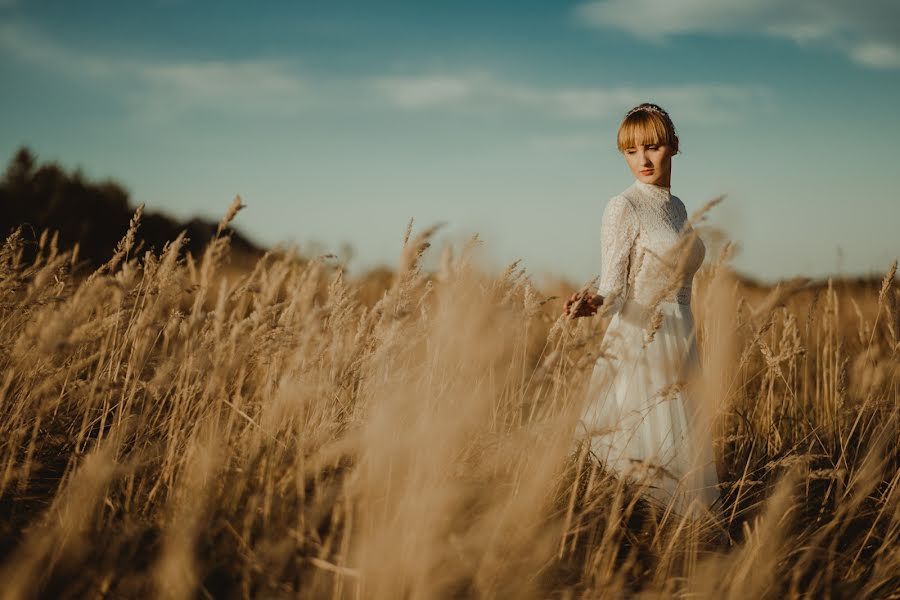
(651, 163)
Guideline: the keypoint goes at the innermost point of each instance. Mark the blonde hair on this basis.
(647, 123)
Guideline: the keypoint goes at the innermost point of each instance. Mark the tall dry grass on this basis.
(173, 429)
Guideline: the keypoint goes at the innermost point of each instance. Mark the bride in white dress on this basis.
(640, 416)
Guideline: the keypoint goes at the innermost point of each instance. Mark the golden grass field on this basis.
(179, 428)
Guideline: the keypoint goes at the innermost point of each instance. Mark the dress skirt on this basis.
(641, 417)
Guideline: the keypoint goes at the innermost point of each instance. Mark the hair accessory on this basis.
(647, 108)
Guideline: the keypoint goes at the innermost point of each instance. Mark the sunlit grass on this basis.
(173, 428)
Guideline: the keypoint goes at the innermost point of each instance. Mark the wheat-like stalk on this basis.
(172, 426)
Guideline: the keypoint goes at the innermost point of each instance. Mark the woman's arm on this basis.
(618, 232)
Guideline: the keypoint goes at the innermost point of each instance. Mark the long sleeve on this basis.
(618, 232)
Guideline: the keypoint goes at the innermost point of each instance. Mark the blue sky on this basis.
(339, 121)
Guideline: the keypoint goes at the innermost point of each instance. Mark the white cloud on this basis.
(482, 92)
(566, 142)
(243, 86)
(877, 55)
(867, 32)
(426, 91)
(30, 46)
(461, 91)
(161, 89)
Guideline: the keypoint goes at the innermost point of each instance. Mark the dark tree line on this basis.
(93, 214)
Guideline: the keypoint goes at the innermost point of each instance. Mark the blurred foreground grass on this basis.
(173, 428)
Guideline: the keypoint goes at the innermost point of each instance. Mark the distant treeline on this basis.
(95, 214)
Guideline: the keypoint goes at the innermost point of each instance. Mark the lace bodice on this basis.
(642, 246)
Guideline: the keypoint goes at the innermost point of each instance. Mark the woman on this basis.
(640, 417)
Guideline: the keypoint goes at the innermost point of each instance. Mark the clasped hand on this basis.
(590, 302)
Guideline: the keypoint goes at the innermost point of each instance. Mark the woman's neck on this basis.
(654, 186)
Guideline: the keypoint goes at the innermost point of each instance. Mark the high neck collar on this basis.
(654, 191)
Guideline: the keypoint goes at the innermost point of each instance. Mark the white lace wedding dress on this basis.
(640, 416)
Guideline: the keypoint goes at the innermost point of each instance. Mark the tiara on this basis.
(647, 108)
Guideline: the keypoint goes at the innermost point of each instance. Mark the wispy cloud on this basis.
(481, 91)
(162, 90)
(867, 32)
(876, 54)
(29, 45)
(168, 88)
(429, 90)
(567, 142)
(244, 86)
